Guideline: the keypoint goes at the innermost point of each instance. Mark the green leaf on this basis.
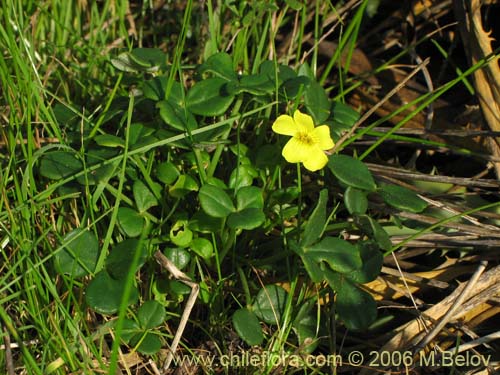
(138, 132)
(207, 98)
(150, 344)
(104, 173)
(305, 326)
(79, 255)
(372, 7)
(151, 314)
(176, 116)
(248, 327)
(167, 172)
(313, 269)
(248, 218)
(293, 86)
(124, 63)
(355, 201)
(295, 4)
(372, 263)
(305, 70)
(372, 228)
(183, 186)
(108, 140)
(285, 196)
(402, 198)
(104, 294)
(148, 60)
(249, 197)
(154, 89)
(340, 255)
(317, 102)
(180, 234)
(144, 198)
(343, 115)
(120, 258)
(242, 176)
(130, 221)
(148, 57)
(220, 65)
(201, 222)
(356, 308)
(270, 304)
(215, 201)
(202, 247)
(317, 221)
(57, 165)
(178, 288)
(283, 73)
(255, 84)
(179, 257)
(129, 329)
(351, 172)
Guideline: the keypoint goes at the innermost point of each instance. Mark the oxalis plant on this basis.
(232, 177)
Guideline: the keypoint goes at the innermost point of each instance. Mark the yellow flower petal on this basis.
(285, 125)
(316, 160)
(296, 151)
(322, 134)
(303, 121)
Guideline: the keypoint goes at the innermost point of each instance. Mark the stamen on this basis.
(305, 138)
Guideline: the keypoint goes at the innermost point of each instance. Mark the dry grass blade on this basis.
(486, 81)
(382, 170)
(373, 109)
(480, 292)
(449, 314)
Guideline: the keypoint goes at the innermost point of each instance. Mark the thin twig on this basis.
(181, 276)
(403, 278)
(399, 172)
(449, 314)
(9, 363)
(480, 341)
(378, 105)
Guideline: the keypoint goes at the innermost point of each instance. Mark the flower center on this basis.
(306, 138)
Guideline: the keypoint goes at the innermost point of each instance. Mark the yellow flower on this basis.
(308, 142)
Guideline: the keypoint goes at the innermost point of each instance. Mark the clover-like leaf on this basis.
(248, 218)
(59, 164)
(215, 201)
(104, 293)
(317, 220)
(355, 201)
(144, 198)
(202, 247)
(151, 314)
(351, 172)
(121, 257)
(130, 221)
(219, 65)
(180, 257)
(183, 186)
(402, 198)
(270, 303)
(79, 254)
(248, 327)
(249, 197)
(356, 308)
(340, 255)
(207, 97)
(180, 234)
